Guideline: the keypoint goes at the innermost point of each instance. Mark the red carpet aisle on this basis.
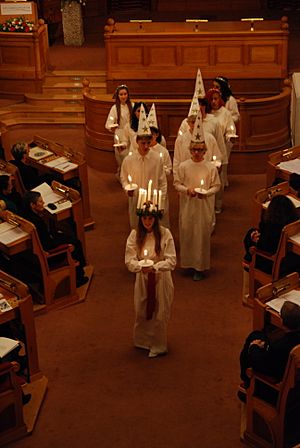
(103, 392)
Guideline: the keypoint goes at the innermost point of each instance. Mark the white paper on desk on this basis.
(4, 226)
(295, 238)
(7, 344)
(37, 153)
(12, 235)
(50, 197)
(55, 162)
(293, 166)
(294, 200)
(292, 296)
(67, 166)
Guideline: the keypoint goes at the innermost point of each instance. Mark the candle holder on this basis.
(131, 187)
(146, 263)
(201, 190)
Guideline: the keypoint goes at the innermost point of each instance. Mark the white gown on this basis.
(152, 334)
(196, 216)
(142, 169)
(112, 119)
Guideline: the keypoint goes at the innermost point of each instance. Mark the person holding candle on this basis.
(150, 253)
(222, 83)
(183, 142)
(131, 128)
(118, 116)
(145, 168)
(218, 109)
(197, 181)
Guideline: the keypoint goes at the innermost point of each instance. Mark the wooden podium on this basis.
(23, 56)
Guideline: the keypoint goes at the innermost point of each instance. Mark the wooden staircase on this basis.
(61, 101)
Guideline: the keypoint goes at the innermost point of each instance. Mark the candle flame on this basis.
(202, 182)
(145, 252)
(214, 158)
(129, 178)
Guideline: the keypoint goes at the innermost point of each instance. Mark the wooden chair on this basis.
(58, 272)
(12, 424)
(58, 268)
(269, 425)
(258, 277)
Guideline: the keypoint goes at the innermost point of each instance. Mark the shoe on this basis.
(218, 211)
(198, 275)
(81, 281)
(154, 354)
(26, 398)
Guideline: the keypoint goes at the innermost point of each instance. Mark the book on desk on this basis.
(7, 345)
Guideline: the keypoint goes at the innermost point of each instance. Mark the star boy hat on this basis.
(152, 118)
(198, 133)
(143, 128)
(199, 86)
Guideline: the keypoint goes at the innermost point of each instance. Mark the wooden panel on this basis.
(226, 54)
(195, 55)
(263, 54)
(144, 51)
(23, 60)
(263, 127)
(162, 55)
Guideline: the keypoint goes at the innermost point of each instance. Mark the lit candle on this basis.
(232, 128)
(160, 155)
(145, 254)
(155, 197)
(201, 184)
(117, 140)
(214, 158)
(159, 199)
(129, 180)
(149, 190)
(144, 196)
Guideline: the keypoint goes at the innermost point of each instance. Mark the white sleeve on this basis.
(169, 253)
(179, 180)
(131, 258)
(232, 106)
(112, 118)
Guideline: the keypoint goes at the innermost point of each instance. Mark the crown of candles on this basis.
(149, 202)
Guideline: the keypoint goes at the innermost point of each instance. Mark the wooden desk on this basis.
(17, 294)
(20, 244)
(77, 175)
(274, 172)
(263, 315)
(163, 57)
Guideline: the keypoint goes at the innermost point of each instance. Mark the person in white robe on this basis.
(118, 117)
(167, 164)
(197, 181)
(182, 146)
(153, 290)
(227, 124)
(142, 166)
(222, 83)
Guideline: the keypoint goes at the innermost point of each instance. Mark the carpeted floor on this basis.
(102, 391)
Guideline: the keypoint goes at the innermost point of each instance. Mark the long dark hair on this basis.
(134, 120)
(224, 87)
(118, 103)
(281, 211)
(141, 234)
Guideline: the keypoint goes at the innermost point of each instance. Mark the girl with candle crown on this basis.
(154, 290)
(197, 181)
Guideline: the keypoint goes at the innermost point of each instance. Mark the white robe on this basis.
(231, 105)
(142, 169)
(182, 149)
(152, 334)
(196, 216)
(112, 119)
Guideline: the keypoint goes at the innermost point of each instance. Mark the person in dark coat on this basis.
(29, 174)
(33, 211)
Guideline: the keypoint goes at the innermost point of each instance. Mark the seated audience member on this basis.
(270, 357)
(29, 174)
(12, 198)
(280, 212)
(33, 211)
